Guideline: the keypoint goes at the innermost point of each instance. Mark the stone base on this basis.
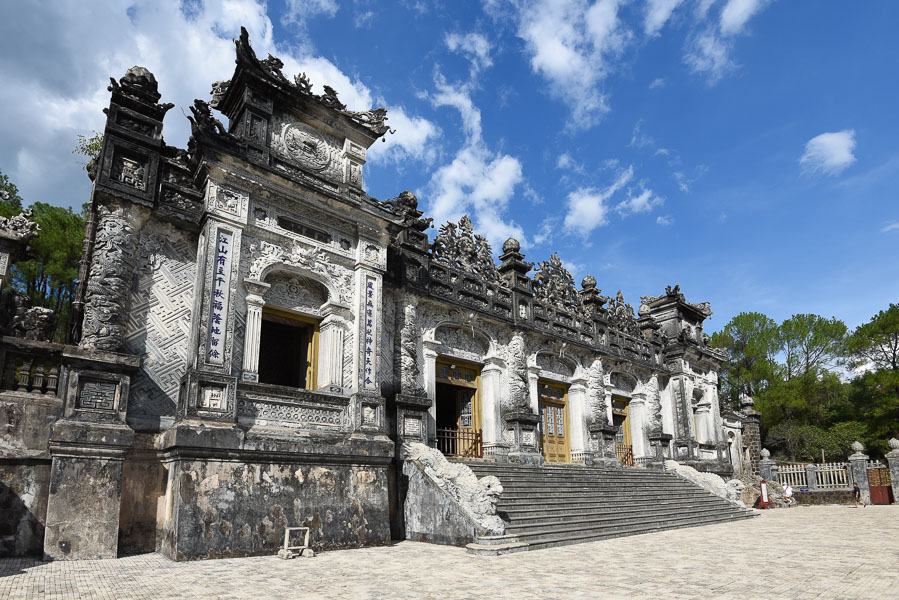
(606, 462)
(529, 459)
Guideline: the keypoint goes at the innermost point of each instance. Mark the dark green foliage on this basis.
(48, 272)
(792, 371)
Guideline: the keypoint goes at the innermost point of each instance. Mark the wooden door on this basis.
(554, 434)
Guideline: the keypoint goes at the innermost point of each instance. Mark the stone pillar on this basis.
(533, 390)
(577, 426)
(767, 468)
(858, 462)
(110, 277)
(893, 460)
(702, 429)
(331, 333)
(751, 436)
(637, 413)
(603, 437)
(252, 334)
(491, 421)
(430, 353)
(811, 477)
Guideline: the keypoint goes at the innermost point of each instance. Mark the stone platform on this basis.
(805, 552)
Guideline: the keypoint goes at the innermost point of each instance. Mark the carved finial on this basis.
(511, 245)
(746, 402)
(857, 447)
(765, 453)
(588, 282)
(894, 444)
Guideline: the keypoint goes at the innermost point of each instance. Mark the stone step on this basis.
(540, 496)
(518, 515)
(547, 527)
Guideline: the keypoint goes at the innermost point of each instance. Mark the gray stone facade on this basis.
(166, 409)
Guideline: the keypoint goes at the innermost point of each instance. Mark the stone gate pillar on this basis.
(751, 436)
(858, 462)
(893, 460)
(767, 467)
(253, 332)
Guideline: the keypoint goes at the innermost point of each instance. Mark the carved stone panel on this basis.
(303, 146)
(97, 395)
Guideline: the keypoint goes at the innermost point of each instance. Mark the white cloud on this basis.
(890, 227)
(58, 88)
(736, 13)
(829, 153)
(657, 14)
(567, 162)
(709, 54)
(664, 221)
(587, 208)
(640, 139)
(645, 201)
(571, 43)
(474, 46)
(657, 83)
(298, 11)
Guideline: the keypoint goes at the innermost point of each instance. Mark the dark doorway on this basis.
(284, 351)
(456, 432)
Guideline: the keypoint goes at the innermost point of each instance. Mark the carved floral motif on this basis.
(621, 315)
(263, 254)
(553, 283)
(461, 247)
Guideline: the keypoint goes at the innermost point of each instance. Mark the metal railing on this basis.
(460, 442)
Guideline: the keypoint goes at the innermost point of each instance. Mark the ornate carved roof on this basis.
(375, 120)
(458, 245)
(20, 227)
(553, 283)
(621, 315)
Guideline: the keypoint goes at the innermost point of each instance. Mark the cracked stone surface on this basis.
(805, 552)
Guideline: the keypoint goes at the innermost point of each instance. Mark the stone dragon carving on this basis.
(112, 267)
(596, 394)
(519, 393)
(477, 497)
(654, 404)
(410, 374)
(459, 246)
(20, 227)
(405, 206)
(553, 283)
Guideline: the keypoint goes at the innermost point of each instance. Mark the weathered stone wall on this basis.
(159, 322)
(828, 497)
(87, 522)
(143, 502)
(230, 509)
(23, 506)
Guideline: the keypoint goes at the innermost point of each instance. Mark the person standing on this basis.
(857, 494)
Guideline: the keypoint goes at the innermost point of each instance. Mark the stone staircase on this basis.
(570, 504)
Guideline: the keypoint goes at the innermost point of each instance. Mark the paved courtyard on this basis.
(805, 552)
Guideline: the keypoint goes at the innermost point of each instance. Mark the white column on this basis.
(702, 423)
(533, 376)
(491, 388)
(430, 376)
(331, 334)
(255, 302)
(577, 411)
(637, 417)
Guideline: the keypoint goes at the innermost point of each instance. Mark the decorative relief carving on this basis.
(295, 293)
(596, 394)
(259, 407)
(213, 398)
(553, 283)
(519, 392)
(621, 316)
(553, 364)
(97, 395)
(459, 246)
(109, 282)
(129, 171)
(19, 227)
(303, 145)
(461, 340)
(412, 426)
(410, 375)
(262, 254)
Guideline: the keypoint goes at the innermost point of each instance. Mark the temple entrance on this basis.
(621, 420)
(288, 349)
(554, 435)
(458, 410)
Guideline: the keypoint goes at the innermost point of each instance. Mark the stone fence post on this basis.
(767, 467)
(859, 465)
(893, 460)
(811, 479)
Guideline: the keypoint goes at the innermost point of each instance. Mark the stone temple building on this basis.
(260, 344)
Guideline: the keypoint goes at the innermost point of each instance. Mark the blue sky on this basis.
(744, 149)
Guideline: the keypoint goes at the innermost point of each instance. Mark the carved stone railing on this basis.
(563, 323)
(279, 406)
(29, 366)
(459, 287)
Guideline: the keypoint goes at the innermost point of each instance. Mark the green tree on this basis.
(810, 343)
(10, 201)
(751, 341)
(875, 345)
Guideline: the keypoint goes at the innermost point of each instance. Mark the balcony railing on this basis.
(460, 442)
(625, 454)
